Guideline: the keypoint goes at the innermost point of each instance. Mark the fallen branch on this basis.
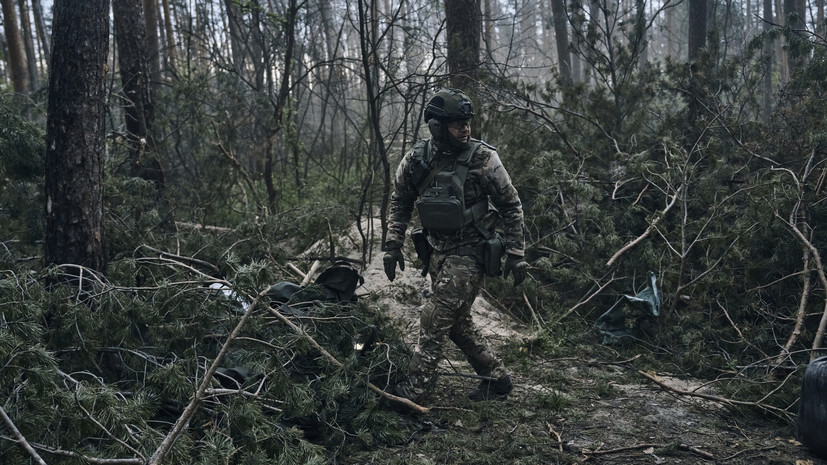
(822, 325)
(533, 313)
(723, 400)
(180, 258)
(801, 314)
(19, 438)
(406, 402)
(681, 446)
(309, 275)
(551, 432)
(204, 227)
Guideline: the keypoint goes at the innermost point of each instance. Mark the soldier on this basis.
(461, 192)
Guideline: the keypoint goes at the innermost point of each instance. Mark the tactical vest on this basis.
(441, 203)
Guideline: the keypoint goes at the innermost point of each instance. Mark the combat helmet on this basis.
(445, 106)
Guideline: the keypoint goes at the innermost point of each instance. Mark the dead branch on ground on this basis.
(723, 400)
(681, 446)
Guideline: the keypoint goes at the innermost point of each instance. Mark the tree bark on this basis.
(139, 113)
(171, 55)
(558, 13)
(463, 28)
(235, 28)
(43, 36)
(75, 142)
(153, 51)
(697, 28)
(767, 103)
(28, 44)
(17, 57)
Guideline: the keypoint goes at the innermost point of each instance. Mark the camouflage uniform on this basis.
(456, 274)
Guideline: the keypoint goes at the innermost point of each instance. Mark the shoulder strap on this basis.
(434, 171)
(476, 212)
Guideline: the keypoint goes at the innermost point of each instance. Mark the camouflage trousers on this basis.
(455, 283)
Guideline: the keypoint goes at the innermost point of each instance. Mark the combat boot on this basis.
(489, 390)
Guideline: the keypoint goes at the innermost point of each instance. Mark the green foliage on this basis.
(22, 158)
(120, 366)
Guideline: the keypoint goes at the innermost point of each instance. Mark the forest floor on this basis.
(584, 404)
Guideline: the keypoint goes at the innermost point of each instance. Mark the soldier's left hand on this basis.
(516, 265)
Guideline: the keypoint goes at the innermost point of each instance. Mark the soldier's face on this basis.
(460, 129)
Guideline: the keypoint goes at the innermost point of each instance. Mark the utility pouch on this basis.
(423, 248)
(493, 250)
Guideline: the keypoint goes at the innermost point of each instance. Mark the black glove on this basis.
(393, 255)
(518, 266)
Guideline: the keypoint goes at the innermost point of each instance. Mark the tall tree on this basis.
(139, 109)
(794, 14)
(767, 103)
(235, 28)
(75, 142)
(17, 57)
(170, 35)
(40, 27)
(463, 28)
(558, 13)
(697, 28)
(153, 49)
(28, 44)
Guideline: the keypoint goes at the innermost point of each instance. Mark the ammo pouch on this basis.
(492, 253)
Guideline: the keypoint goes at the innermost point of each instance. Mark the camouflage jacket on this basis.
(487, 177)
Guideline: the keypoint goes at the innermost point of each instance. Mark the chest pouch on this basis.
(441, 205)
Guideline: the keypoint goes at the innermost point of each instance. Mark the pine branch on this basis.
(200, 394)
(406, 402)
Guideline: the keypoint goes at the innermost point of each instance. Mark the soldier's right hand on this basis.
(393, 255)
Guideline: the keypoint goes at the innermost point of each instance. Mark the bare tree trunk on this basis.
(17, 56)
(781, 52)
(670, 21)
(171, 44)
(139, 112)
(558, 11)
(40, 26)
(463, 28)
(235, 27)
(28, 43)
(697, 28)
(489, 31)
(153, 50)
(794, 13)
(379, 155)
(767, 103)
(545, 24)
(75, 142)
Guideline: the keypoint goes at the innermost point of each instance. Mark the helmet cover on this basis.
(448, 105)
(445, 106)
